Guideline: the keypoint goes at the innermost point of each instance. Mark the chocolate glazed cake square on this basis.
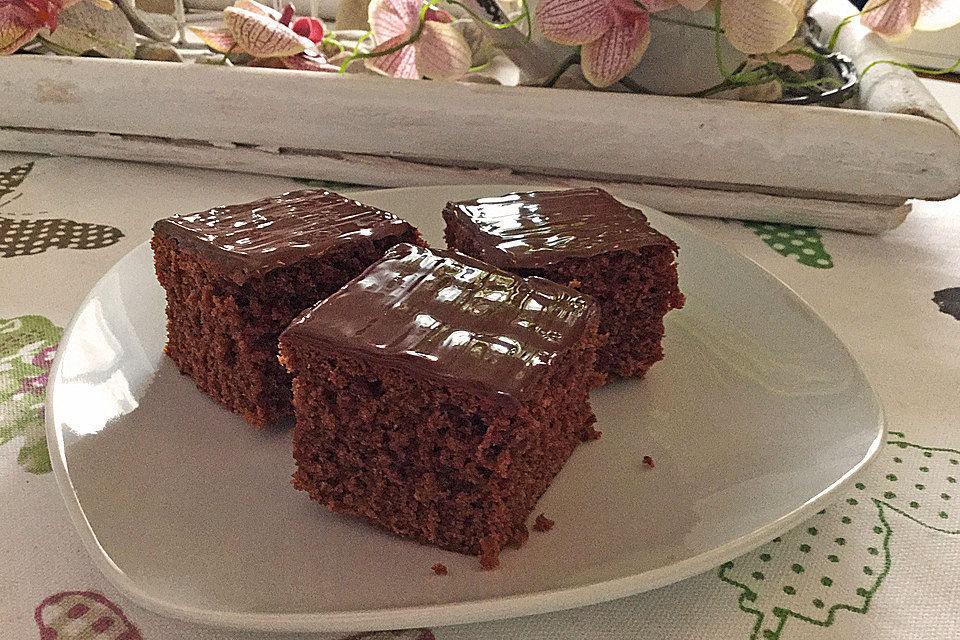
(437, 397)
(235, 277)
(589, 240)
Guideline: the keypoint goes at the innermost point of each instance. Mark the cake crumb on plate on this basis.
(542, 523)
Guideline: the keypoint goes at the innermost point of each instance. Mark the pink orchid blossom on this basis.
(440, 52)
(266, 35)
(760, 26)
(613, 34)
(22, 20)
(896, 19)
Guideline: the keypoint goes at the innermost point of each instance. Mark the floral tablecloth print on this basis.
(883, 562)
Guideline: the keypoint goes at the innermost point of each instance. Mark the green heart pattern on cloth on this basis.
(27, 348)
(803, 244)
(13, 178)
(28, 236)
(835, 562)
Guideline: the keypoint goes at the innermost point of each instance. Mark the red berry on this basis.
(309, 28)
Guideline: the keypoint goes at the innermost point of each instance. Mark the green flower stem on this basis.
(683, 23)
(332, 41)
(524, 15)
(226, 54)
(931, 72)
(55, 46)
(812, 83)
(356, 51)
(807, 53)
(110, 43)
(571, 60)
(89, 36)
(413, 38)
(726, 85)
(479, 67)
(836, 32)
(718, 46)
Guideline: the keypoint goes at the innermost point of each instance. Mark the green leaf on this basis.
(35, 457)
(804, 244)
(27, 344)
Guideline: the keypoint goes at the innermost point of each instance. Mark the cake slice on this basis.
(437, 397)
(589, 240)
(236, 276)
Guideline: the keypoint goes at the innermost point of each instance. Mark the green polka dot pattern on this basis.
(834, 563)
(812, 584)
(28, 237)
(800, 243)
(930, 502)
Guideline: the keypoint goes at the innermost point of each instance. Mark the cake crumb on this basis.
(489, 552)
(440, 569)
(648, 462)
(542, 523)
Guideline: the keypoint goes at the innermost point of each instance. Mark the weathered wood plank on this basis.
(396, 172)
(833, 153)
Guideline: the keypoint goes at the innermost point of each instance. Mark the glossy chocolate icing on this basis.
(541, 228)
(449, 317)
(248, 240)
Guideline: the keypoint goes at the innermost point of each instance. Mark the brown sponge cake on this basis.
(437, 397)
(588, 239)
(235, 277)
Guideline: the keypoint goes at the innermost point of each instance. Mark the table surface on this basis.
(894, 299)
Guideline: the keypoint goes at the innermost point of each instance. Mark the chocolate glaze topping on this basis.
(540, 228)
(449, 317)
(249, 240)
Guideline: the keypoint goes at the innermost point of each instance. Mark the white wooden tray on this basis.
(840, 168)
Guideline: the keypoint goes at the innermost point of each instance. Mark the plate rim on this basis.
(472, 611)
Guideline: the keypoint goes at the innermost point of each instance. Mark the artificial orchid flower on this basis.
(22, 20)
(440, 52)
(760, 26)
(613, 34)
(265, 34)
(895, 19)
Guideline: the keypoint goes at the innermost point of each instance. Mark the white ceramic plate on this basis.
(755, 418)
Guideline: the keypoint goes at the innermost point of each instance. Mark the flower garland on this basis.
(414, 39)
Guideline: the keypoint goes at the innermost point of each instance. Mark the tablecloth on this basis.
(883, 562)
